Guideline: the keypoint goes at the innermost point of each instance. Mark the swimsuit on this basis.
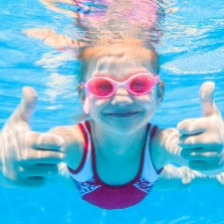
(106, 196)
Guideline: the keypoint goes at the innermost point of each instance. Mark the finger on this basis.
(54, 6)
(198, 141)
(46, 141)
(26, 107)
(41, 157)
(200, 165)
(199, 154)
(40, 170)
(192, 126)
(206, 98)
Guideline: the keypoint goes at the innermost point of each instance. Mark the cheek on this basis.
(147, 103)
(148, 99)
(97, 105)
(143, 99)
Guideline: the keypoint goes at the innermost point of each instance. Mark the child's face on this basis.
(123, 112)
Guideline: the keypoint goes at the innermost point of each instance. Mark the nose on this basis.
(122, 97)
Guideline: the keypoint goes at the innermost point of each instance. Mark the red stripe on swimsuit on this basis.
(98, 193)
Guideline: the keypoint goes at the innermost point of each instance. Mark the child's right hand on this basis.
(27, 158)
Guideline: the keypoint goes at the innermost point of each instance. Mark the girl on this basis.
(116, 156)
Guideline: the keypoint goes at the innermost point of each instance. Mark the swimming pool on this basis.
(191, 52)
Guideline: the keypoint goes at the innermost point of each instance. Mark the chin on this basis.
(125, 128)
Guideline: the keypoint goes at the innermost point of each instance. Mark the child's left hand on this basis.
(202, 139)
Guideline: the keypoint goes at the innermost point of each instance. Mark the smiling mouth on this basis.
(123, 114)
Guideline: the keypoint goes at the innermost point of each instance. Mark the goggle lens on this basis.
(101, 87)
(140, 84)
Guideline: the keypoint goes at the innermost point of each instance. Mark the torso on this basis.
(113, 175)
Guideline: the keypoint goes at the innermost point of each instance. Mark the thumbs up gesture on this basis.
(202, 139)
(27, 158)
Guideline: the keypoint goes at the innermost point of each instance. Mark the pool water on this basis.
(192, 51)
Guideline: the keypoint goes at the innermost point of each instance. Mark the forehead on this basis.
(118, 67)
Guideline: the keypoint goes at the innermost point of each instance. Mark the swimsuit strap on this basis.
(84, 171)
(150, 172)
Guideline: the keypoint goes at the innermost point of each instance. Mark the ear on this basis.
(160, 92)
(82, 94)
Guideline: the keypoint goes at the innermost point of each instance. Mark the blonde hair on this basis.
(128, 48)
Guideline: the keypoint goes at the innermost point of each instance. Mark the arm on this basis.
(182, 177)
(27, 158)
(73, 145)
(197, 143)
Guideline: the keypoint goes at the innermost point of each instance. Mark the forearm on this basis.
(181, 177)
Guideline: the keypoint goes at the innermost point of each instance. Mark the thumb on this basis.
(206, 98)
(27, 105)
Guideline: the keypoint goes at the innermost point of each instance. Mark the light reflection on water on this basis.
(191, 51)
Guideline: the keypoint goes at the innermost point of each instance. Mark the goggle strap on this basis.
(86, 105)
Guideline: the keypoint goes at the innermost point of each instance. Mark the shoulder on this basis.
(74, 146)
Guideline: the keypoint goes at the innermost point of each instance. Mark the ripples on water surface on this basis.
(192, 52)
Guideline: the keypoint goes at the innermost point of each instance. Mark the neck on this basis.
(112, 144)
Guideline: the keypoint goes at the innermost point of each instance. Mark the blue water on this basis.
(192, 52)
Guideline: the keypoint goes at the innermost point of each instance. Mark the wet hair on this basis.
(128, 49)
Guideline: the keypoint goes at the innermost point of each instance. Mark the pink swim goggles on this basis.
(104, 87)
